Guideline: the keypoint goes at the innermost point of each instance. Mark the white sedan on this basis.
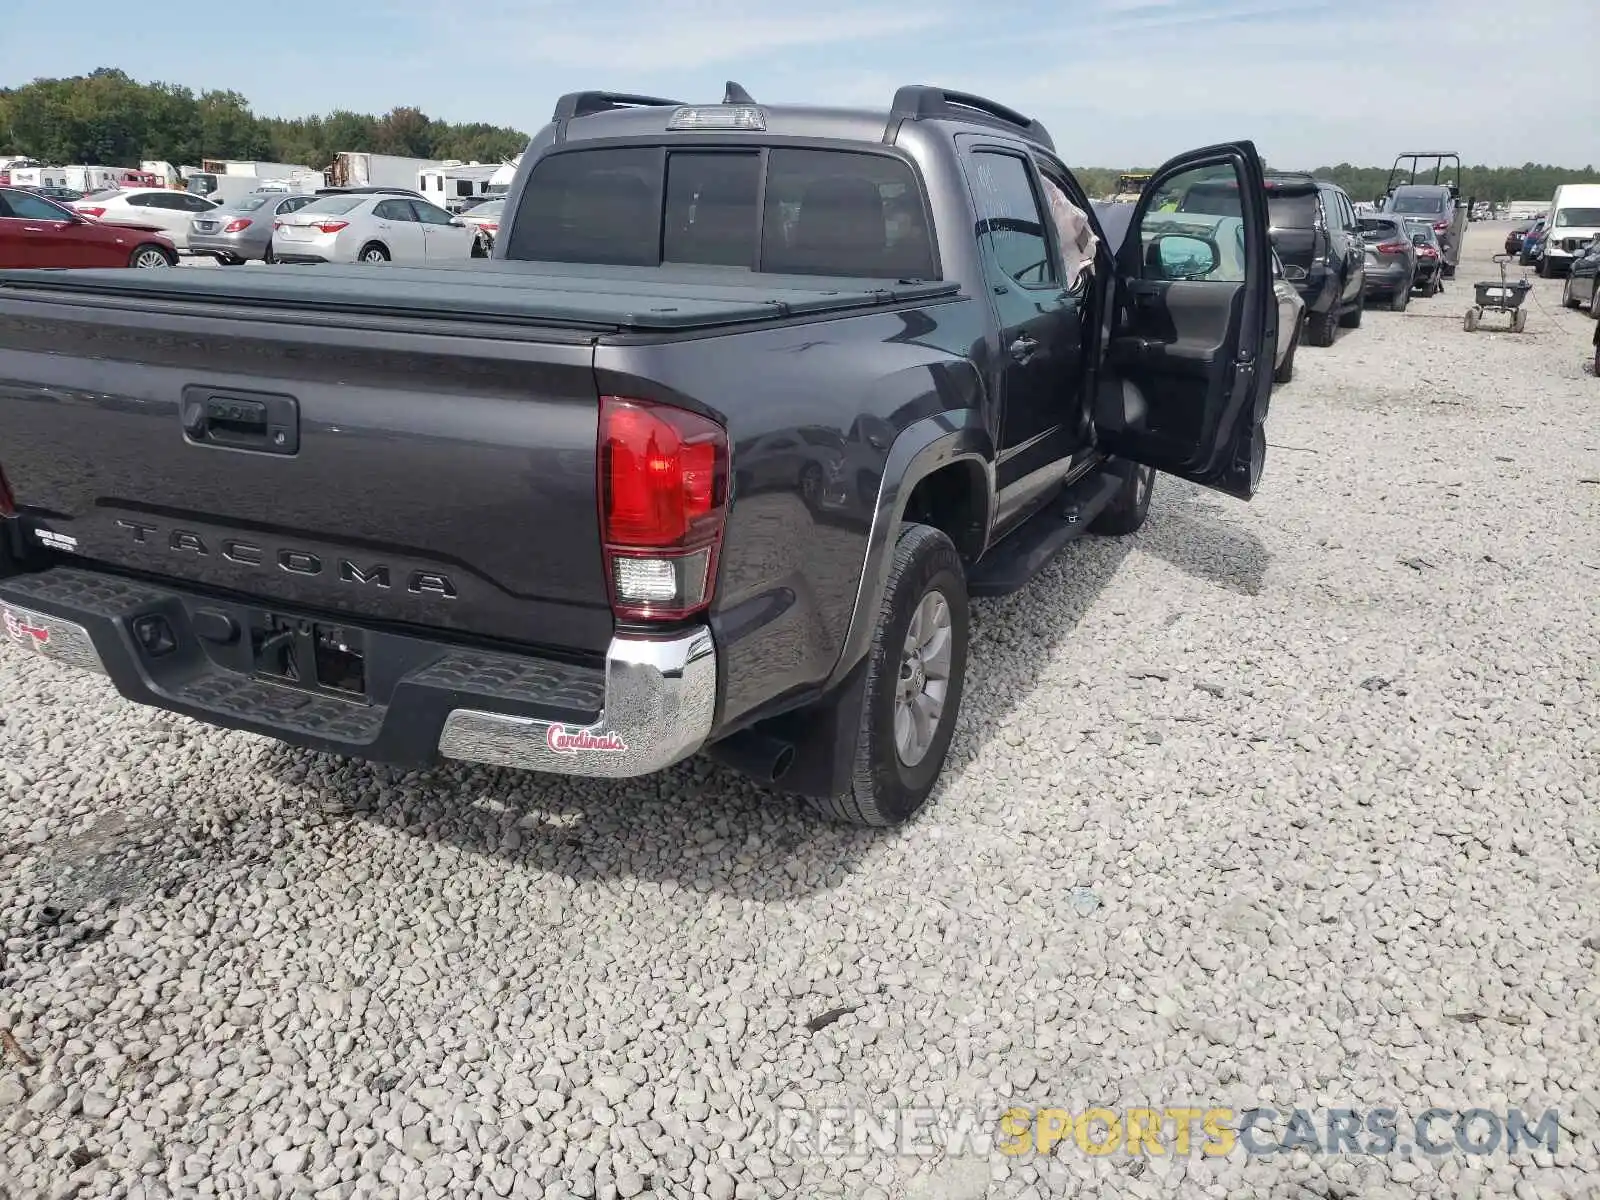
(372, 228)
(163, 208)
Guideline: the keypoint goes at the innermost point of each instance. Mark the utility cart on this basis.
(1504, 296)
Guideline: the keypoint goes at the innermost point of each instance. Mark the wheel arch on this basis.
(945, 463)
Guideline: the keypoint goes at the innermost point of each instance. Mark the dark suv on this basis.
(1316, 234)
(1314, 230)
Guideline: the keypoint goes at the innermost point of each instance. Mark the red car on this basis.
(35, 232)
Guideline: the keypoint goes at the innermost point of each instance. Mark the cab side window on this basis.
(1202, 239)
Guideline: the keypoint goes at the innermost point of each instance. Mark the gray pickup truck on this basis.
(710, 455)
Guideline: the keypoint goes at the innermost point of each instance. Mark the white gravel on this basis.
(1290, 802)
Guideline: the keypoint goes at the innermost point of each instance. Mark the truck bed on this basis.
(439, 470)
(579, 297)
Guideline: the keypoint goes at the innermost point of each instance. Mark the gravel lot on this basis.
(1288, 803)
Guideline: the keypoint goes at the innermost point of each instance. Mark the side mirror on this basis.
(1181, 256)
(457, 223)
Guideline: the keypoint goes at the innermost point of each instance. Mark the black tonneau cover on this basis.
(582, 296)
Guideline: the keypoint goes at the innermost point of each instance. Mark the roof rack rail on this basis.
(920, 101)
(587, 104)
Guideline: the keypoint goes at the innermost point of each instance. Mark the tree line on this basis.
(1531, 181)
(107, 118)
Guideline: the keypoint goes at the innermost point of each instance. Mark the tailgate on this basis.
(436, 479)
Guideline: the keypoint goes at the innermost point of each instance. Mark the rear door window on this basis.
(1011, 226)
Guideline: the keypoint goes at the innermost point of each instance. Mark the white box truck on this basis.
(357, 168)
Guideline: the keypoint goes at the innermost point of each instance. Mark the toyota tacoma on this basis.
(708, 457)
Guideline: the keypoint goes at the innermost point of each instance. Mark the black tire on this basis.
(228, 260)
(1352, 319)
(148, 254)
(1448, 271)
(1130, 506)
(1438, 285)
(1401, 298)
(480, 247)
(1594, 301)
(373, 252)
(1567, 298)
(1284, 372)
(884, 790)
(1321, 328)
(1547, 269)
(269, 257)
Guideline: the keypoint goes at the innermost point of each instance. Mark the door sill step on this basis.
(1012, 564)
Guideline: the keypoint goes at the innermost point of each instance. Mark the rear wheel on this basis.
(1448, 270)
(1352, 319)
(1547, 269)
(373, 252)
(149, 256)
(1320, 328)
(915, 672)
(1128, 509)
(1567, 299)
(1594, 301)
(1401, 298)
(269, 257)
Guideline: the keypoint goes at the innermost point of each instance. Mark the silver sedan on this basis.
(241, 231)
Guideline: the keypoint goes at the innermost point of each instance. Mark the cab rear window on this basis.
(780, 209)
(1417, 202)
(1292, 210)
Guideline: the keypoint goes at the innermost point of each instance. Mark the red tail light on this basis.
(92, 212)
(663, 484)
(1392, 247)
(330, 226)
(491, 226)
(8, 502)
(1441, 226)
(235, 225)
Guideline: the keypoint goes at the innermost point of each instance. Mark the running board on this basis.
(1012, 564)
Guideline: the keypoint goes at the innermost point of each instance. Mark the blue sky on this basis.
(1119, 82)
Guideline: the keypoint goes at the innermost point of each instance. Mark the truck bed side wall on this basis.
(812, 412)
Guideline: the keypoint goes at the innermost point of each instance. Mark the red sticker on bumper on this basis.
(21, 631)
(569, 741)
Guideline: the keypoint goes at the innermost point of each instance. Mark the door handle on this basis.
(1023, 347)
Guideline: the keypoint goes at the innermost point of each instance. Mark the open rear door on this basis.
(1195, 324)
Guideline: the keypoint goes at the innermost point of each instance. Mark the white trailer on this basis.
(251, 169)
(354, 168)
(500, 182)
(87, 179)
(451, 184)
(39, 177)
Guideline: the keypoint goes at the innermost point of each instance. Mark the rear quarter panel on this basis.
(811, 412)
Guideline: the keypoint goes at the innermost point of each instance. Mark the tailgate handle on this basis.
(230, 420)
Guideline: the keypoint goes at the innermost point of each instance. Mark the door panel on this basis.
(18, 246)
(1039, 366)
(1195, 325)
